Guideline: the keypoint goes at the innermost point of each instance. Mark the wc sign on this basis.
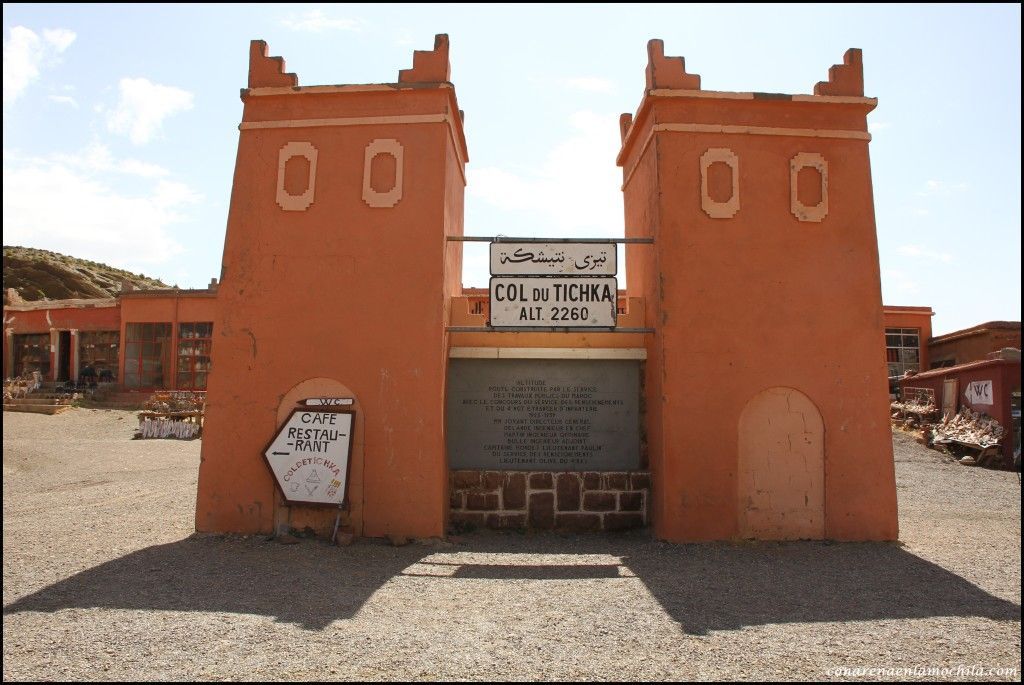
(553, 285)
(979, 392)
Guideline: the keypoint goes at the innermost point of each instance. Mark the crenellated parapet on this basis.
(625, 122)
(266, 71)
(846, 78)
(429, 66)
(667, 72)
(674, 102)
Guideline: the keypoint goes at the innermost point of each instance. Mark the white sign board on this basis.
(577, 302)
(979, 392)
(553, 259)
(326, 401)
(309, 456)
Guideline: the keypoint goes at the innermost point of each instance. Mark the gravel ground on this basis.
(104, 580)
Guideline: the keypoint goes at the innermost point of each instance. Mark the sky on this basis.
(120, 121)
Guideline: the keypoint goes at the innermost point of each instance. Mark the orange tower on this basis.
(767, 405)
(336, 283)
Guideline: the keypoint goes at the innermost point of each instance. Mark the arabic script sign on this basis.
(578, 301)
(309, 456)
(553, 259)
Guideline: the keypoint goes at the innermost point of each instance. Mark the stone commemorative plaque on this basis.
(544, 414)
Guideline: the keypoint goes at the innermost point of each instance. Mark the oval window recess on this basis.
(302, 201)
(802, 212)
(390, 198)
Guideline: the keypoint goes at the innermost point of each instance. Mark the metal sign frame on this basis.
(344, 504)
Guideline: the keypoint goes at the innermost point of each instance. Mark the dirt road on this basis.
(103, 579)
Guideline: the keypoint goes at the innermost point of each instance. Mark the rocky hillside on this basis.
(44, 275)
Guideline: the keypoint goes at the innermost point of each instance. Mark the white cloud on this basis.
(25, 53)
(98, 158)
(895, 282)
(316, 21)
(573, 192)
(143, 106)
(70, 204)
(575, 189)
(591, 84)
(405, 38)
(60, 39)
(134, 167)
(918, 251)
(876, 126)
(64, 100)
(933, 187)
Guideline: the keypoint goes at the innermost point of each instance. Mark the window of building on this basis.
(902, 350)
(97, 355)
(194, 342)
(147, 355)
(32, 353)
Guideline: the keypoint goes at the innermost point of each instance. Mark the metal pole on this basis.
(506, 239)
(337, 521)
(544, 329)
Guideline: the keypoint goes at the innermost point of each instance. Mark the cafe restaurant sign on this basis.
(309, 456)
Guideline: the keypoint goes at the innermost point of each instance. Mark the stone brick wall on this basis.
(578, 502)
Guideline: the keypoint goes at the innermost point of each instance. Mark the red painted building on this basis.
(907, 331)
(972, 344)
(167, 338)
(55, 337)
(144, 339)
(998, 379)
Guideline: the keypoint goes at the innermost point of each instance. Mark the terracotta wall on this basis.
(910, 317)
(168, 306)
(136, 307)
(171, 307)
(61, 317)
(756, 282)
(1005, 377)
(98, 318)
(336, 268)
(971, 345)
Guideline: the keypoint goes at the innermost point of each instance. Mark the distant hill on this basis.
(44, 275)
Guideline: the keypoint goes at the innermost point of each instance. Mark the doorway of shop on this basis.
(64, 356)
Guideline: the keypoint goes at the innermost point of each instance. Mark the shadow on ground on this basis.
(703, 587)
(309, 584)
